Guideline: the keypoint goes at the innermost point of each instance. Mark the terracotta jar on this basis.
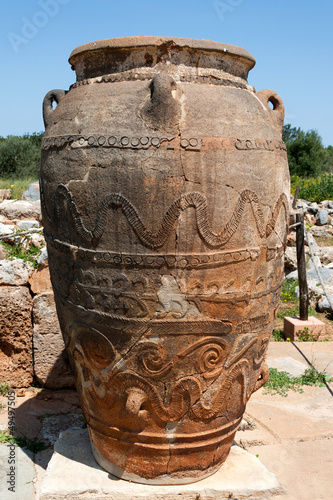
(165, 188)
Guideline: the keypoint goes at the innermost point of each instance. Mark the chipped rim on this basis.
(155, 41)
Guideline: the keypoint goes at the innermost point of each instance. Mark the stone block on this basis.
(15, 272)
(6, 229)
(322, 218)
(16, 367)
(294, 326)
(27, 224)
(51, 365)
(73, 473)
(40, 281)
(5, 194)
(290, 259)
(20, 209)
(32, 192)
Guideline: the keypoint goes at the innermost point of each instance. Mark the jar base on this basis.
(159, 481)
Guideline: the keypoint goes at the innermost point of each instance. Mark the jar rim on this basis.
(156, 41)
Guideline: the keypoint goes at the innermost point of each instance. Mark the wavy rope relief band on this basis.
(157, 239)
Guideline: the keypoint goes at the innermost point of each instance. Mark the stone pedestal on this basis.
(73, 473)
(294, 326)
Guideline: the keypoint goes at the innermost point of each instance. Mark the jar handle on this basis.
(52, 96)
(269, 96)
(262, 377)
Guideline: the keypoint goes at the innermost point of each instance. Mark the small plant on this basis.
(288, 292)
(6, 437)
(282, 382)
(312, 376)
(288, 295)
(19, 250)
(18, 186)
(4, 389)
(306, 336)
(317, 189)
(278, 335)
(35, 445)
(289, 300)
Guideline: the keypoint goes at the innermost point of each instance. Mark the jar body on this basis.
(164, 199)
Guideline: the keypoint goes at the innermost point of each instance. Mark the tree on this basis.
(20, 156)
(306, 152)
(328, 159)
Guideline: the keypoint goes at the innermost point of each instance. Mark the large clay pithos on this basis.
(164, 188)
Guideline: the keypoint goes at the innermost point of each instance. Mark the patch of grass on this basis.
(306, 336)
(18, 186)
(316, 189)
(282, 382)
(312, 376)
(35, 445)
(6, 437)
(288, 293)
(18, 250)
(289, 300)
(278, 335)
(4, 389)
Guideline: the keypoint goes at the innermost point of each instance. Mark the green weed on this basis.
(18, 186)
(313, 189)
(4, 389)
(6, 437)
(278, 335)
(312, 376)
(35, 445)
(288, 293)
(282, 382)
(18, 250)
(288, 296)
(306, 336)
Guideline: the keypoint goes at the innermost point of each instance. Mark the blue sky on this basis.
(290, 39)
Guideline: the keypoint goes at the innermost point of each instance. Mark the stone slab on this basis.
(289, 365)
(318, 354)
(73, 473)
(300, 416)
(304, 469)
(24, 474)
(293, 326)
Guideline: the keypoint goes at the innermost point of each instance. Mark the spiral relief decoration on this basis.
(152, 357)
(210, 360)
